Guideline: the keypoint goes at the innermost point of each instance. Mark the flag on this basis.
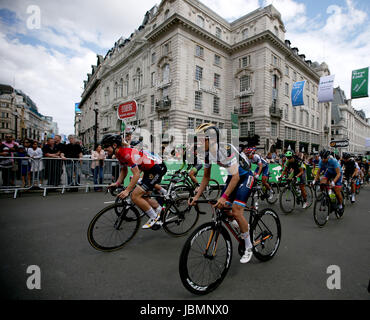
(297, 93)
(360, 83)
(325, 92)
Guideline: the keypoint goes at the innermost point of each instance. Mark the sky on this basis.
(47, 47)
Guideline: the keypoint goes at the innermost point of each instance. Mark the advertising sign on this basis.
(127, 110)
(325, 92)
(297, 93)
(360, 83)
(339, 144)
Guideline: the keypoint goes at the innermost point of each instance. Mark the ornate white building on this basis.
(186, 65)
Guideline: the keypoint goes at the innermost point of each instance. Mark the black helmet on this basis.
(346, 155)
(324, 154)
(109, 139)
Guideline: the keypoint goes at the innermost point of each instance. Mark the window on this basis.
(294, 115)
(166, 14)
(245, 83)
(313, 122)
(287, 112)
(287, 89)
(199, 51)
(313, 104)
(190, 123)
(138, 79)
(245, 105)
(308, 101)
(106, 95)
(200, 21)
(220, 125)
(301, 118)
(216, 80)
(152, 126)
(245, 34)
(165, 124)
(276, 30)
(115, 90)
(216, 105)
(244, 129)
(153, 57)
(274, 60)
(166, 73)
(120, 88)
(127, 85)
(273, 129)
(166, 48)
(198, 122)
(152, 79)
(307, 119)
(287, 70)
(152, 102)
(245, 61)
(294, 76)
(218, 32)
(198, 73)
(198, 100)
(217, 60)
(252, 128)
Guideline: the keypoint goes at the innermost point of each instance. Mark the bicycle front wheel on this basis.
(321, 211)
(276, 190)
(265, 234)
(287, 200)
(205, 259)
(113, 227)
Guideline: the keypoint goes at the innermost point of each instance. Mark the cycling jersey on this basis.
(132, 158)
(265, 167)
(296, 165)
(349, 167)
(228, 157)
(330, 166)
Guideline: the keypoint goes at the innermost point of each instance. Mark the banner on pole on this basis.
(234, 121)
(297, 93)
(325, 92)
(360, 83)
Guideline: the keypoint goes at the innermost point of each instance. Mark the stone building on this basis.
(349, 124)
(186, 65)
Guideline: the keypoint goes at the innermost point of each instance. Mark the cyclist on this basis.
(262, 167)
(238, 185)
(332, 171)
(138, 161)
(351, 171)
(296, 165)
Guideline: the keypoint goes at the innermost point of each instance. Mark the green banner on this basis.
(123, 126)
(234, 121)
(360, 83)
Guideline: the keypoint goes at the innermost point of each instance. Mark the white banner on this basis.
(367, 143)
(325, 93)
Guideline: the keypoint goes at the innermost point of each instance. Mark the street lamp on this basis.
(96, 110)
(15, 114)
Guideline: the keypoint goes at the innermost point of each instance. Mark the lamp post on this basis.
(96, 110)
(15, 114)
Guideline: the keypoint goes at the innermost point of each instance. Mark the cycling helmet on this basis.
(204, 127)
(324, 154)
(289, 154)
(250, 150)
(109, 139)
(346, 155)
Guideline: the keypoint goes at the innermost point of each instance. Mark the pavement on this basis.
(50, 232)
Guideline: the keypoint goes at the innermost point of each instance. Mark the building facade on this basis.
(19, 116)
(349, 124)
(186, 65)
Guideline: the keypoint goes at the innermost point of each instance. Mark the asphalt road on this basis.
(50, 232)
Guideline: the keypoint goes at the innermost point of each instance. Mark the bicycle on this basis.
(263, 193)
(206, 255)
(325, 205)
(292, 195)
(115, 225)
(347, 192)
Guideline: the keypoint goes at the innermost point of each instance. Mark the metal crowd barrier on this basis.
(24, 174)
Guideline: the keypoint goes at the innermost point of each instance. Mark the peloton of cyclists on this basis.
(332, 172)
(350, 172)
(239, 182)
(138, 161)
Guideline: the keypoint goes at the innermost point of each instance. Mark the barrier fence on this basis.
(19, 174)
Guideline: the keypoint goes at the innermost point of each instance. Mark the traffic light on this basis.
(279, 144)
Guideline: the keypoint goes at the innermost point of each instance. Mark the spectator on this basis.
(23, 165)
(27, 144)
(52, 167)
(35, 153)
(12, 145)
(60, 146)
(6, 165)
(73, 152)
(97, 165)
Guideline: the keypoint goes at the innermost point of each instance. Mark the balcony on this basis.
(163, 105)
(245, 93)
(276, 112)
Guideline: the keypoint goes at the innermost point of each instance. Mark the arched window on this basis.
(106, 95)
(127, 85)
(138, 79)
(120, 88)
(115, 90)
(166, 73)
(245, 33)
(200, 21)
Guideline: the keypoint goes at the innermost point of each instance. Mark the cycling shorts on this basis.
(264, 172)
(332, 176)
(152, 177)
(197, 168)
(242, 190)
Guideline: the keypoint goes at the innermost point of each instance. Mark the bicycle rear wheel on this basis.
(179, 218)
(212, 191)
(310, 195)
(321, 211)
(266, 234)
(113, 227)
(287, 200)
(205, 259)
